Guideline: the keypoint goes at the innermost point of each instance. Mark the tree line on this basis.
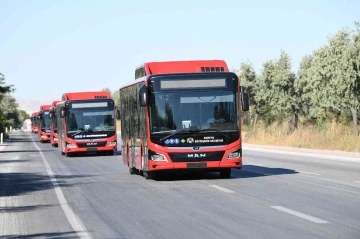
(326, 86)
(10, 114)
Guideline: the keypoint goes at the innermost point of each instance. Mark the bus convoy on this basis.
(175, 115)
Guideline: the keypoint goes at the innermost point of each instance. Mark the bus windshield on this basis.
(45, 120)
(171, 111)
(83, 117)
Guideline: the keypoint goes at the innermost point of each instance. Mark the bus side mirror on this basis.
(245, 101)
(62, 113)
(50, 115)
(143, 95)
(117, 114)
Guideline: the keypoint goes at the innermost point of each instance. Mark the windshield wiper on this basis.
(179, 132)
(76, 133)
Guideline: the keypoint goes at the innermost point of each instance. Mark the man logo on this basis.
(196, 148)
(196, 155)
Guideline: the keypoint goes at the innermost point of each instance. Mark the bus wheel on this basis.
(69, 154)
(147, 174)
(225, 173)
(132, 170)
(62, 153)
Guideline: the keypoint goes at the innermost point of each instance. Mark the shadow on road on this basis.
(26, 151)
(14, 184)
(23, 208)
(248, 171)
(14, 161)
(54, 235)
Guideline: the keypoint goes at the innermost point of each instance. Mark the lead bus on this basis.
(34, 122)
(86, 122)
(53, 124)
(182, 115)
(44, 123)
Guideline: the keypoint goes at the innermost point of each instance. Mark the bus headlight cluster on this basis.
(70, 145)
(235, 154)
(112, 143)
(156, 156)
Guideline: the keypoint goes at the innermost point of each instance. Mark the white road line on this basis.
(309, 173)
(356, 181)
(299, 214)
(73, 219)
(221, 188)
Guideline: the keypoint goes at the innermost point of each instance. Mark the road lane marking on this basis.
(299, 214)
(221, 188)
(356, 181)
(255, 164)
(73, 219)
(309, 173)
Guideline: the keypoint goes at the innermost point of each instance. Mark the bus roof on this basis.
(45, 107)
(55, 102)
(163, 67)
(86, 95)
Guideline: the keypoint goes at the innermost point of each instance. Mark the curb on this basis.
(301, 154)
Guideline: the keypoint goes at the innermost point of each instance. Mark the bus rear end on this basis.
(87, 126)
(44, 123)
(192, 123)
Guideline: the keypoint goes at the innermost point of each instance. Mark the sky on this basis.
(51, 47)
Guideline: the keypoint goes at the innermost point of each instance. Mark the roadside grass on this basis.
(118, 125)
(331, 136)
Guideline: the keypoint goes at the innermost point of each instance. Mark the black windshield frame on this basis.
(45, 120)
(228, 128)
(99, 119)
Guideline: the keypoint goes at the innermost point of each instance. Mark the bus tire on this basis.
(68, 155)
(62, 153)
(147, 174)
(225, 173)
(132, 170)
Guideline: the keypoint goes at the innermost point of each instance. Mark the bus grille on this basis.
(196, 157)
(91, 144)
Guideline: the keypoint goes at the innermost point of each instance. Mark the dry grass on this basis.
(329, 136)
(118, 125)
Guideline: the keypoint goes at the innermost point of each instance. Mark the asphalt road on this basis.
(46, 195)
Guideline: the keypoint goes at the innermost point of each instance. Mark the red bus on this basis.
(182, 115)
(86, 123)
(44, 123)
(53, 124)
(34, 122)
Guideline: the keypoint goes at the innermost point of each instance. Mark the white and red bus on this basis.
(182, 115)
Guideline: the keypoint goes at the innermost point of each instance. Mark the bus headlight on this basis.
(235, 154)
(70, 145)
(112, 143)
(157, 157)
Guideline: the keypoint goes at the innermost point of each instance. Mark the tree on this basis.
(106, 89)
(248, 79)
(116, 97)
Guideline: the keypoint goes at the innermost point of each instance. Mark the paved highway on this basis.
(46, 195)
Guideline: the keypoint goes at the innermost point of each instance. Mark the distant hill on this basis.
(31, 106)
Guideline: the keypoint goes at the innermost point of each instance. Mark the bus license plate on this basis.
(196, 165)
